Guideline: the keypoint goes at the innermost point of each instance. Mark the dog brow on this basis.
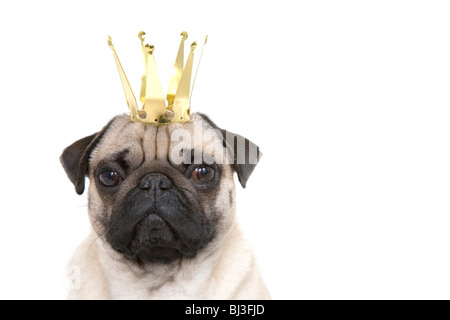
(120, 159)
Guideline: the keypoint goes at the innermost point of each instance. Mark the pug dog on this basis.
(161, 202)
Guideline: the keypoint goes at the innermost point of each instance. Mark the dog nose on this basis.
(155, 180)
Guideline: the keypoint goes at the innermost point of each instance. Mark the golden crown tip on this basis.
(141, 35)
(184, 34)
(206, 39)
(149, 48)
(194, 45)
(110, 44)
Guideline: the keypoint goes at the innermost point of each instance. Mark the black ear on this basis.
(243, 154)
(75, 158)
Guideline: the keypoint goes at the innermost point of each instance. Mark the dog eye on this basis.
(110, 178)
(202, 175)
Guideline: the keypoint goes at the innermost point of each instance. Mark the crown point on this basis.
(185, 35)
(141, 36)
(206, 39)
(110, 42)
(149, 48)
(194, 45)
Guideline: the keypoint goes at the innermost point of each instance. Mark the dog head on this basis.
(158, 194)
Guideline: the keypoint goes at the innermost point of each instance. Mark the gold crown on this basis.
(154, 110)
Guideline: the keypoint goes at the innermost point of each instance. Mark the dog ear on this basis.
(243, 154)
(75, 158)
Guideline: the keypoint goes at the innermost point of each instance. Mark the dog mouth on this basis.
(157, 230)
(154, 231)
(154, 240)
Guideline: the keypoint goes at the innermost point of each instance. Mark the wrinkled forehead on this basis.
(193, 142)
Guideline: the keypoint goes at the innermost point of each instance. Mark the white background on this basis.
(348, 100)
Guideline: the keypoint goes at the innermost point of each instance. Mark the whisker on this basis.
(108, 229)
(94, 242)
